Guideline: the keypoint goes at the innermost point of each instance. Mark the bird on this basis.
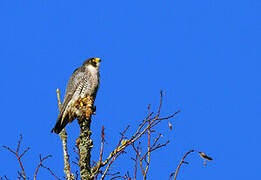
(84, 82)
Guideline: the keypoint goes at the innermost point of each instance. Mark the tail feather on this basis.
(60, 124)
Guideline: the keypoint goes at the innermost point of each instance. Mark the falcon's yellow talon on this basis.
(84, 99)
(81, 104)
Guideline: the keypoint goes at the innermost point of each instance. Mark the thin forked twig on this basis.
(119, 150)
(16, 153)
(136, 166)
(137, 150)
(40, 164)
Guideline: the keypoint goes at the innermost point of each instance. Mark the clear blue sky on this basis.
(204, 54)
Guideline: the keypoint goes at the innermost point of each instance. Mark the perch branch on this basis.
(63, 136)
(84, 142)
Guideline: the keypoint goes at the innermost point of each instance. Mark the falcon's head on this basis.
(95, 62)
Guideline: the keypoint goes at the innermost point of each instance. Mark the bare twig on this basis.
(19, 157)
(137, 150)
(136, 166)
(5, 178)
(59, 99)
(20, 175)
(182, 161)
(63, 136)
(102, 141)
(50, 172)
(67, 166)
(119, 150)
(96, 169)
(19, 143)
(148, 154)
(117, 176)
(25, 151)
(40, 164)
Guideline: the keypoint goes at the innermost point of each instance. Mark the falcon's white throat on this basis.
(93, 69)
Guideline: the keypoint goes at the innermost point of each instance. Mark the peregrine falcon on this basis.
(83, 82)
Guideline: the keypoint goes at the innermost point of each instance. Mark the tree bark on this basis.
(84, 142)
(67, 168)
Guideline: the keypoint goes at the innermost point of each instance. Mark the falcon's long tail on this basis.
(60, 124)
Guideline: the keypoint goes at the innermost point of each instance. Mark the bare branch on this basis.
(119, 150)
(96, 169)
(67, 166)
(40, 164)
(63, 136)
(148, 154)
(136, 165)
(137, 150)
(9, 149)
(25, 151)
(48, 169)
(5, 178)
(182, 160)
(19, 143)
(59, 99)
(18, 157)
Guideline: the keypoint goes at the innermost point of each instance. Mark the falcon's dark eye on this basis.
(91, 60)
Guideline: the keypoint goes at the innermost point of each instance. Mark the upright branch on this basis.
(67, 166)
(63, 136)
(148, 153)
(95, 170)
(84, 142)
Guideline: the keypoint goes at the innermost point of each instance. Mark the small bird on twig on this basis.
(84, 82)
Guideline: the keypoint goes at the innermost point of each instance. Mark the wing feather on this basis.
(72, 87)
(81, 84)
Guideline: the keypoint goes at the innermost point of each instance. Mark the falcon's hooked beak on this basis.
(97, 60)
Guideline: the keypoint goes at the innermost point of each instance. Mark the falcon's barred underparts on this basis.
(83, 82)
